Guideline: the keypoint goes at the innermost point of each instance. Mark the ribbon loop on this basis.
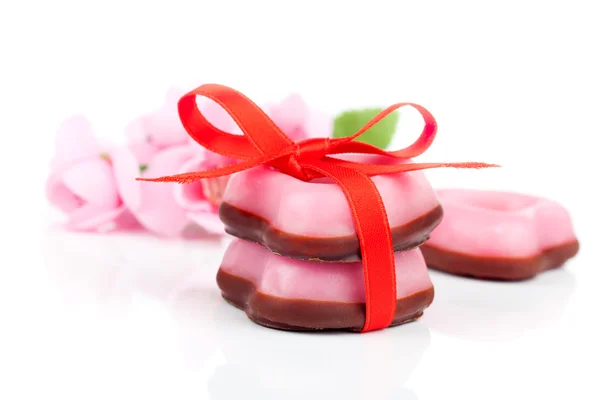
(246, 114)
(263, 143)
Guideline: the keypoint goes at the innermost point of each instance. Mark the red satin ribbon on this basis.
(264, 143)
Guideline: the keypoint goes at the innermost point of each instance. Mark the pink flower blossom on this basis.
(157, 130)
(153, 205)
(82, 181)
(168, 208)
(201, 199)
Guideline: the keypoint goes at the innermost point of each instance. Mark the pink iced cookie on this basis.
(499, 235)
(286, 293)
(312, 220)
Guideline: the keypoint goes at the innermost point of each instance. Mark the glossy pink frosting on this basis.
(500, 224)
(319, 208)
(298, 279)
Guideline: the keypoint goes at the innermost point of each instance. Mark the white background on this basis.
(511, 82)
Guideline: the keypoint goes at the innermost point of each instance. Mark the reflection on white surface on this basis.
(488, 310)
(100, 267)
(273, 364)
(113, 271)
(179, 276)
(176, 337)
(88, 269)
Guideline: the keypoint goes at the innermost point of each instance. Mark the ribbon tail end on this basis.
(477, 165)
(174, 178)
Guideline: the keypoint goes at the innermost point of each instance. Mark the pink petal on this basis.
(191, 196)
(198, 152)
(93, 181)
(174, 94)
(143, 152)
(106, 145)
(205, 194)
(294, 109)
(60, 196)
(209, 221)
(126, 169)
(74, 141)
(289, 114)
(164, 127)
(127, 222)
(91, 216)
(159, 212)
(318, 124)
(139, 141)
(135, 132)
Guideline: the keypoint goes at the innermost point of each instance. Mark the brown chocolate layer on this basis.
(251, 227)
(309, 315)
(498, 268)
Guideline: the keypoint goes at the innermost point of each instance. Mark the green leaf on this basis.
(143, 168)
(380, 135)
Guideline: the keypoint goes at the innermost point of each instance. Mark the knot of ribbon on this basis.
(263, 143)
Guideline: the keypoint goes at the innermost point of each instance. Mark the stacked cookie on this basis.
(500, 235)
(296, 261)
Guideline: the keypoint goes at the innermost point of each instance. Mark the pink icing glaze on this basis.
(297, 279)
(500, 224)
(319, 208)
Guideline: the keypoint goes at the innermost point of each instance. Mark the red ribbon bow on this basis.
(264, 143)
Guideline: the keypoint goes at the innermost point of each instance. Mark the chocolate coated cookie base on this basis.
(498, 268)
(248, 226)
(310, 315)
